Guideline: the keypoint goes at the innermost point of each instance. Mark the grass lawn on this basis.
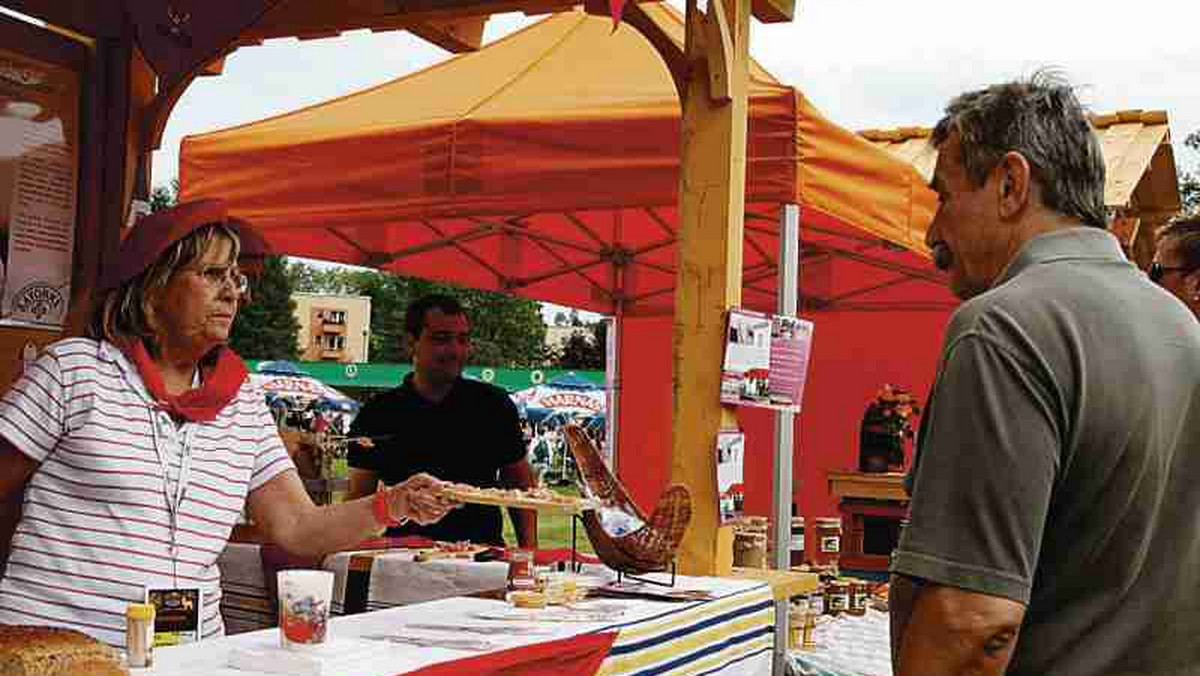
(554, 530)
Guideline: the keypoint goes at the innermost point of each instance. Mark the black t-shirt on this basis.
(466, 438)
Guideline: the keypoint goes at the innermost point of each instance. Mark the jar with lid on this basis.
(797, 543)
(797, 615)
(837, 597)
(139, 634)
(829, 541)
(859, 591)
(521, 573)
(750, 549)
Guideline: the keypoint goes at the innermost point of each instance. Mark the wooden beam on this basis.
(671, 53)
(295, 18)
(709, 276)
(453, 35)
(773, 11)
(96, 18)
(719, 50)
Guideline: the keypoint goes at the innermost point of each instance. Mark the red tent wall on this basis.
(853, 354)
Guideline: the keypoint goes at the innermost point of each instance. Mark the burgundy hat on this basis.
(253, 244)
(155, 233)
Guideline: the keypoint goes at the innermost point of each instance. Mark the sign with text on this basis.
(731, 487)
(766, 360)
(39, 160)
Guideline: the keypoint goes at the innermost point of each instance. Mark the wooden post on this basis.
(709, 263)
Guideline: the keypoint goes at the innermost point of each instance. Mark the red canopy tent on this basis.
(547, 165)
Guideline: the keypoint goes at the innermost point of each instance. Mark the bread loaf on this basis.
(54, 651)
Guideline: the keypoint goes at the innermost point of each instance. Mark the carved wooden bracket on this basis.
(178, 37)
(710, 40)
(181, 38)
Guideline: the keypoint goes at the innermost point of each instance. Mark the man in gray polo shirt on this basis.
(1054, 526)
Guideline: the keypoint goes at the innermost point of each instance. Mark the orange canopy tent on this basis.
(547, 165)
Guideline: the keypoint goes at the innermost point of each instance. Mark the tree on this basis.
(506, 331)
(266, 327)
(164, 197)
(1189, 182)
(585, 349)
(389, 297)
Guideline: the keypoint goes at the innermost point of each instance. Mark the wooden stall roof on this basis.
(1141, 175)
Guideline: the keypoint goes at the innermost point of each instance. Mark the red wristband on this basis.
(380, 507)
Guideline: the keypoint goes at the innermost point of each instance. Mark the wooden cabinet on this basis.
(873, 506)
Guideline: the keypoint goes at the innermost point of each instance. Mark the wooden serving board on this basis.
(575, 506)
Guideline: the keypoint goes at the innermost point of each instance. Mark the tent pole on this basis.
(788, 276)
(612, 382)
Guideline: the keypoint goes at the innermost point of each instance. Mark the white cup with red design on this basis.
(304, 600)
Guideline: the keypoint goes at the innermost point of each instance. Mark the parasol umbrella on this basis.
(281, 367)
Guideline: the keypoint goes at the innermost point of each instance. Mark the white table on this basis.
(847, 646)
(731, 635)
(396, 579)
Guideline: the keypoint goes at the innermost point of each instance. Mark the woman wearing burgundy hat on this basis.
(142, 443)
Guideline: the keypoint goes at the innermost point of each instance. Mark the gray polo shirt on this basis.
(1058, 463)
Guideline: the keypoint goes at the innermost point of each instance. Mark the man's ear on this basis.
(1014, 186)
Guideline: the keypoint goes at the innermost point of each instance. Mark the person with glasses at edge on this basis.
(1176, 265)
(139, 445)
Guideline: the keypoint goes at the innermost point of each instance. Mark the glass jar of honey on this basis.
(837, 597)
(859, 593)
(829, 541)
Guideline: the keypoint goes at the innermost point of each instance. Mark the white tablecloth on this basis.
(731, 635)
(847, 646)
(396, 579)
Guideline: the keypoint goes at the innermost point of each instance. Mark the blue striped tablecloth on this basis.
(732, 634)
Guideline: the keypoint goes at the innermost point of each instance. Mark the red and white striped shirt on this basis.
(96, 529)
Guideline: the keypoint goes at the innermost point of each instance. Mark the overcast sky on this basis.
(864, 63)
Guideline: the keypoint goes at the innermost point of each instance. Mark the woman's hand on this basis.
(419, 498)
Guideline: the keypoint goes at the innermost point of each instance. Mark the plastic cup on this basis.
(304, 599)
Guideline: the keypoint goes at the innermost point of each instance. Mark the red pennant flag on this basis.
(616, 8)
(578, 655)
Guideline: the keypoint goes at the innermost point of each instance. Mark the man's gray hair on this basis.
(1041, 119)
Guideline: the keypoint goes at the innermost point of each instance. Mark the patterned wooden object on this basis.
(648, 549)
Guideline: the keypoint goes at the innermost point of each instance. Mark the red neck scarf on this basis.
(220, 385)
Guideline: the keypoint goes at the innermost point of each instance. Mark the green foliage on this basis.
(505, 331)
(1189, 181)
(163, 197)
(266, 327)
(584, 349)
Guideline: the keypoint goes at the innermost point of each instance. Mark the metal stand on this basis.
(576, 564)
(636, 578)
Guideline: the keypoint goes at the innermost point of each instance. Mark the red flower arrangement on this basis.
(887, 423)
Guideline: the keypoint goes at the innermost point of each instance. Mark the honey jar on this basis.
(829, 541)
(837, 597)
(859, 593)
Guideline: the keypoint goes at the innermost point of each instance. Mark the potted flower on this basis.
(886, 425)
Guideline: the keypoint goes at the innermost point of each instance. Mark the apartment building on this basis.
(333, 327)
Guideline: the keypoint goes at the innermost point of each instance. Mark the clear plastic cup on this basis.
(304, 599)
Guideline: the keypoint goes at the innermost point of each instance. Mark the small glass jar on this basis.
(521, 574)
(797, 542)
(829, 541)
(859, 591)
(837, 597)
(797, 615)
(139, 634)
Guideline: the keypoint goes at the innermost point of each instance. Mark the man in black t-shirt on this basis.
(455, 429)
